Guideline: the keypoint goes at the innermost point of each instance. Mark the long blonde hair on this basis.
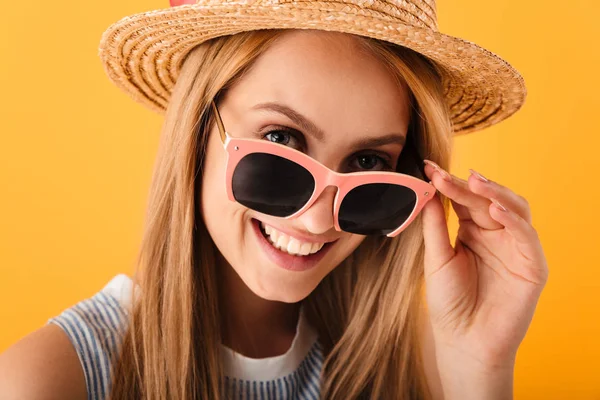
(366, 310)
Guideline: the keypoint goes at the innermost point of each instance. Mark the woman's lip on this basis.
(300, 236)
(285, 260)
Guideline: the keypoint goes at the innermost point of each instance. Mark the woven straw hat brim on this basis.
(142, 54)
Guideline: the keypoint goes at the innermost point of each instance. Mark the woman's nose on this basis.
(318, 219)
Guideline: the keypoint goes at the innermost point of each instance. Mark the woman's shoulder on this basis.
(42, 365)
(70, 357)
(96, 327)
(102, 315)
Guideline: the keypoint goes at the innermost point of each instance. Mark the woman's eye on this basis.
(368, 162)
(283, 137)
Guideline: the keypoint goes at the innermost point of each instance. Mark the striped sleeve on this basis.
(95, 327)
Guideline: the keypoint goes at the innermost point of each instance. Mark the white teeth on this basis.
(289, 244)
(282, 242)
(293, 246)
(305, 248)
(316, 247)
(274, 235)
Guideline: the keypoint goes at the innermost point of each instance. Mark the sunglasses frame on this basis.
(237, 148)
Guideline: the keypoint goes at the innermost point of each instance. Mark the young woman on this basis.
(296, 244)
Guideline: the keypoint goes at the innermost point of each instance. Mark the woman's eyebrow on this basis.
(309, 127)
(394, 138)
(295, 116)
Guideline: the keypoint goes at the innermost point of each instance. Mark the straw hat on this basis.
(142, 54)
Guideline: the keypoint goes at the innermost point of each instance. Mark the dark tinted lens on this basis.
(376, 208)
(271, 184)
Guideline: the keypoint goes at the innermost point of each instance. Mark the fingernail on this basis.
(444, 174)
(500, 206)
(479, 176)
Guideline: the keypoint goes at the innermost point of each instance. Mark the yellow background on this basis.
(76, 157)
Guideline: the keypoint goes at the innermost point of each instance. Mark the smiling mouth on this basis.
(288, 244)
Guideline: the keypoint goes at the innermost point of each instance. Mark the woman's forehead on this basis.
(329, 77)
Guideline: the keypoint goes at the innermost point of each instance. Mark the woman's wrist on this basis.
(463, 378)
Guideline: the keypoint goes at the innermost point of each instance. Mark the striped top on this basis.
(95, 326)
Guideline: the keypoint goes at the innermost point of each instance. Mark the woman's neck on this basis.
(251, 325)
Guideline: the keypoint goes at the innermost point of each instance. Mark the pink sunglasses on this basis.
(280, 181)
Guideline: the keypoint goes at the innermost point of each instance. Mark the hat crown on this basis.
(417, 13)
(143, 53)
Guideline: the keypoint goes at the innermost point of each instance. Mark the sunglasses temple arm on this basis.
(219, 121)
(418, 159)
(420, 165)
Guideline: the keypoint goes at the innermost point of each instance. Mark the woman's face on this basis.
(321, 94)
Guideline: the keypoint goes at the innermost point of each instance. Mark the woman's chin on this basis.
(285, 293)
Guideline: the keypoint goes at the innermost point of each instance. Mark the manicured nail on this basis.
(500, 206)
(479, 176)
(444, 174)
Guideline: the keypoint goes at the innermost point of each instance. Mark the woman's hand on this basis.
(481, 293)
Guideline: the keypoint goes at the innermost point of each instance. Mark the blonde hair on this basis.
(366, 310)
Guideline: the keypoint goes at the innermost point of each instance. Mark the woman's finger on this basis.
(487, 188)
(475, 206)
(527, 242)
(523, 232)
(438, 249)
